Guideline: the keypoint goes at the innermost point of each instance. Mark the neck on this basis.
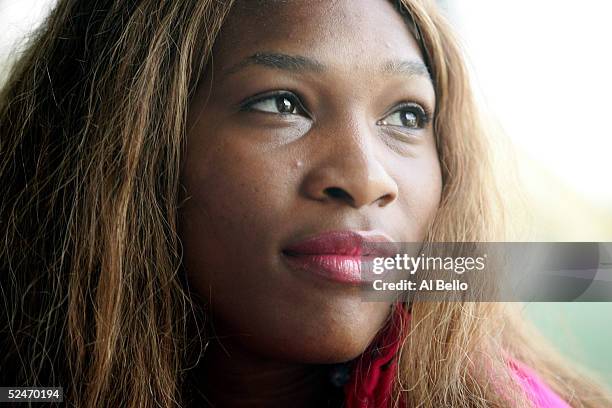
(228, 376)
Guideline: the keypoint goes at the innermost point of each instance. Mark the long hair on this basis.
(92, 126)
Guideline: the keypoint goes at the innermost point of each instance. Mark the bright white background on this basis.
(545, 68)
(17, 18)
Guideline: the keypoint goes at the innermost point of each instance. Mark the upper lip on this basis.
(343, 242)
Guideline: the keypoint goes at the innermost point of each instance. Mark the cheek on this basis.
(424, 187)
(419, 192)
(234, 191)
(231, 212)
(227, 226)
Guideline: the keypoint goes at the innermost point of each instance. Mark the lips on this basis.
(338, 255)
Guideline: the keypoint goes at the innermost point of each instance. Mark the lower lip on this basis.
(339, 268)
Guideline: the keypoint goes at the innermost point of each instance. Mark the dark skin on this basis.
(338, 137)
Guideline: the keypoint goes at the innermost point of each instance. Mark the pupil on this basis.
(409, 119)
(284, 105)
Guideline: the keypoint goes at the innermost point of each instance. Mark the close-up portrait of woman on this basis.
(187, 188)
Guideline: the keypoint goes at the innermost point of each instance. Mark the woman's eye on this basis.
(279, 104)
(403, 118)
(412, 117)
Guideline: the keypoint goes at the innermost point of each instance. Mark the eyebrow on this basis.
(404, 67)
(278, 61)
(300, 63)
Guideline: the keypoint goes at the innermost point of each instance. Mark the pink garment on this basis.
(371, 381)
(536, 389)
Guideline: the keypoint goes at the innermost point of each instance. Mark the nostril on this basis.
(339, 193)
(386, 199)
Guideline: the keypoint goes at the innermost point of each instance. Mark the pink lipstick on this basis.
(337, 255)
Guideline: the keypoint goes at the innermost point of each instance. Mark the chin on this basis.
(310, 328)
(324, 343)
(341, 351)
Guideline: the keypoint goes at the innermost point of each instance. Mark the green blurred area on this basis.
(581, 331)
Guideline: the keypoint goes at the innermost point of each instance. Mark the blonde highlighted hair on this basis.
(92, 125)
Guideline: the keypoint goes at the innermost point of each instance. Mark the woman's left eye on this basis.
(410, 116)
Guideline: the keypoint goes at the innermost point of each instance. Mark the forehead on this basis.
(351, 33)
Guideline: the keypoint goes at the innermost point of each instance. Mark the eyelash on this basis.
(424, 116)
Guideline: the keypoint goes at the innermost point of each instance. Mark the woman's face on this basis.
(313, 117)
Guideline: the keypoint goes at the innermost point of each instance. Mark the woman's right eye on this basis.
(283, 103)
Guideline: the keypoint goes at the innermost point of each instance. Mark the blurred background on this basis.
(544, 77)
(543, 72)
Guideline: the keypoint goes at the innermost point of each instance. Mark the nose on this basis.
(349, 172)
